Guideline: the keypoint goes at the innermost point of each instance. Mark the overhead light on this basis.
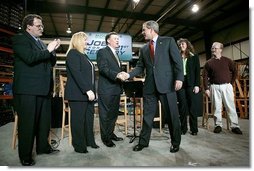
(68, 30)
(136, 1)
(69, 23)
(195, 8)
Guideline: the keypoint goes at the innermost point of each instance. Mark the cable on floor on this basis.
(54, 143)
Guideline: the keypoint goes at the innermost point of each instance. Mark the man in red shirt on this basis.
(218, 76)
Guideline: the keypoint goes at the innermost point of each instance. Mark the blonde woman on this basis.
(80, 92)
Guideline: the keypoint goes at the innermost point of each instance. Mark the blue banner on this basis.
(96, 41)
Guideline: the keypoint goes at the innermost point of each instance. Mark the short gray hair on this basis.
(219, 43)
(152, 25)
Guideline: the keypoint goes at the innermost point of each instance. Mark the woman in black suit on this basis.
(80, 92)
(188, 94)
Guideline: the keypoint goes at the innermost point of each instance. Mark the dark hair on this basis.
(108, 36)
(189, 49)
(29, 20)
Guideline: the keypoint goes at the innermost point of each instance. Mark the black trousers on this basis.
(187, 106)
(108, 113)
(82, 124)
(169, 105)
(34, 118)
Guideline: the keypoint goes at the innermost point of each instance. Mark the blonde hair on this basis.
(77, 42)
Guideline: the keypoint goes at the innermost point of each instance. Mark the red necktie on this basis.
(151, 46)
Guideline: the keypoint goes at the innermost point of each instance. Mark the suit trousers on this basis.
(186, 106)
(82, 124)
(108, 113)
(34, 113)
(169, 105)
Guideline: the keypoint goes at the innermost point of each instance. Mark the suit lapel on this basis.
(41, 44)
(113, 56)
(147, 52)
(33, 40)
(159, 47)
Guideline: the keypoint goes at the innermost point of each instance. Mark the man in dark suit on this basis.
(32, 87)
(109, 88)
(162, 62)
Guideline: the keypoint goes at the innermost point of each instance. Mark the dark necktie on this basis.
(151, 46)
(40, 44)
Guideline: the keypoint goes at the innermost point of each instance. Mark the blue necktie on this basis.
(40, 44)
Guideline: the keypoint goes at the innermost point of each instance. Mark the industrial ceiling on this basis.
(124, 16)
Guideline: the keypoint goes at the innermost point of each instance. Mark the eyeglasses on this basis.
(39, 26)
(213, 48)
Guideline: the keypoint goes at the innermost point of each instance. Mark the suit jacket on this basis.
(167, 66)
(193, 71)
(108, 70)
(193, 79)
(32, 66)
(80, 76)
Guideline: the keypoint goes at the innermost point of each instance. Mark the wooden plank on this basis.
(238, 86)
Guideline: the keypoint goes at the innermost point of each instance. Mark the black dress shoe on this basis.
(115, 138)
(81, 151)
(50, 151)
(30, 162)
(217, 129)
(174, 149)
(95, 146)
(109, 143)
(237, 130)
(139, 147)
(184, 132)
(194, 133)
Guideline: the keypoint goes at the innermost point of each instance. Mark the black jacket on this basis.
(108, 70)
(80, 76)
(32, 66)
(193, 71)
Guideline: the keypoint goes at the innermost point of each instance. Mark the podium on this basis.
(133, 89)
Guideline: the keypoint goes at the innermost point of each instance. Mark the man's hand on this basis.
(123, 76)
(196, 89)
(91, 95)
(178, 85)
(207, 93)
(54, 45)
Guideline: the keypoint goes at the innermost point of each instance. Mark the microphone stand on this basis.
(134, 136)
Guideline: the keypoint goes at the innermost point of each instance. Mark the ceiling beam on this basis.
(102, 17)
(85, 16)
(50, 7)
(118, 20)
(143, 9)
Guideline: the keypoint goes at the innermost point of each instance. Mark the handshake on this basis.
(123, 76)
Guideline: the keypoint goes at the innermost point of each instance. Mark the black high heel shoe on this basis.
(83, 151)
